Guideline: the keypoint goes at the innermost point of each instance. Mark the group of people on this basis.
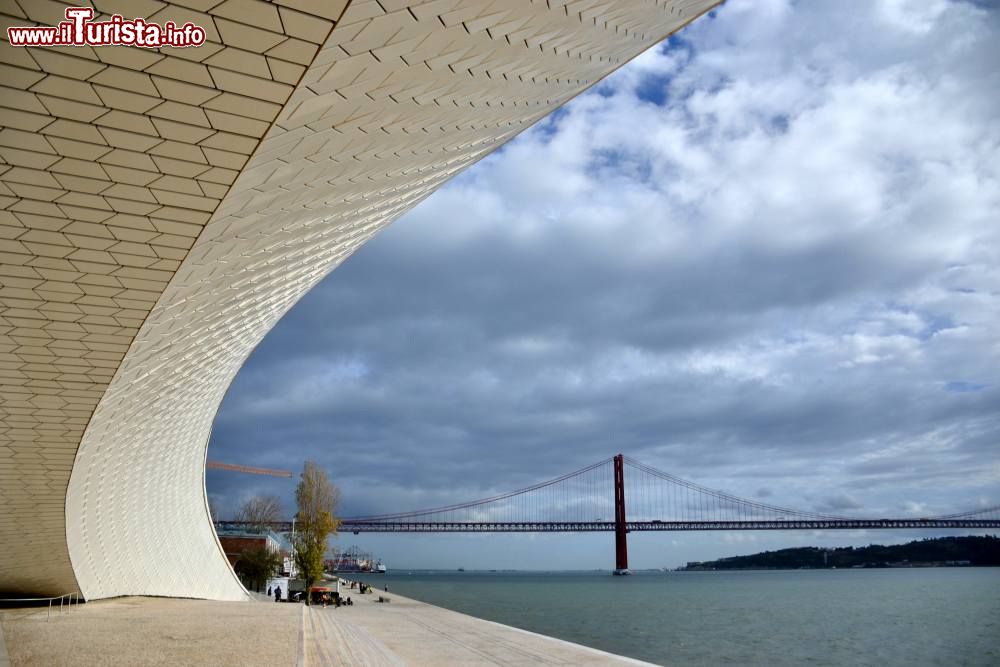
(337, 600)
(327, 598)
(363, 587)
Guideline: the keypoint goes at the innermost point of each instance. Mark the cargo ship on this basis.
(353, 559)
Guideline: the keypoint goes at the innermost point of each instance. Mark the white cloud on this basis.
(913, 16)
(765, 255)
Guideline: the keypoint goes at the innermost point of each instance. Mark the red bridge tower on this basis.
(621, 547)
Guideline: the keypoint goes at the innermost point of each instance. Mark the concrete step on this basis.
(330, 640)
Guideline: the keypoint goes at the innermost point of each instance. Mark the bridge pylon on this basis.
(621, 545)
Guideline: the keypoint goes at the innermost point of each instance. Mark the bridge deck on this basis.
(368, 526)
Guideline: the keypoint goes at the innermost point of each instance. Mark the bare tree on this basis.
(260, 511)
(317, 499)
(213, 509)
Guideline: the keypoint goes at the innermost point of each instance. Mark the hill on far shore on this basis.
(933, 552)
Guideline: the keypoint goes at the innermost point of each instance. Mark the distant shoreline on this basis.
(888, 566)
(969, 551)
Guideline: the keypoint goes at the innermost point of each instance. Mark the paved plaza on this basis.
(165, 631)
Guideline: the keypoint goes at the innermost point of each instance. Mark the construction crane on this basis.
(218, 465)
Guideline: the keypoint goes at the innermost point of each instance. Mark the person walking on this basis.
(277, 593)
(268, 591)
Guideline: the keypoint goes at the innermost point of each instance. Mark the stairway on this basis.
(332, 641)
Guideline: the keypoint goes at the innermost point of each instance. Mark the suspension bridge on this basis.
(593, 499)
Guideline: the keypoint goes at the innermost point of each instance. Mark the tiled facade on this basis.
(161, 210)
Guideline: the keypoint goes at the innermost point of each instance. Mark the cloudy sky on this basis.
(764, 256)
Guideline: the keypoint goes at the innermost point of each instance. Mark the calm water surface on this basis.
(946, 616)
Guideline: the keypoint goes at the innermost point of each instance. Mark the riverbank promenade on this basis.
(160, 631)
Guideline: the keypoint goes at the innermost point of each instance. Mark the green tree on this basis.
(316, 498)
(256, 566)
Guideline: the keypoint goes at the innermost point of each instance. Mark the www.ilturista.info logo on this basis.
(79, 30)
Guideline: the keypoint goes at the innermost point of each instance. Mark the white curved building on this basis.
(161, 209)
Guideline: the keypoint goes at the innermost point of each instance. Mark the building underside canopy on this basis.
(161, 209)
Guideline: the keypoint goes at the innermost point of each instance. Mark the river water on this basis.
(945, 616)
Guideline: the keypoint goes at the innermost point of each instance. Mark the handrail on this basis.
(68, 598)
